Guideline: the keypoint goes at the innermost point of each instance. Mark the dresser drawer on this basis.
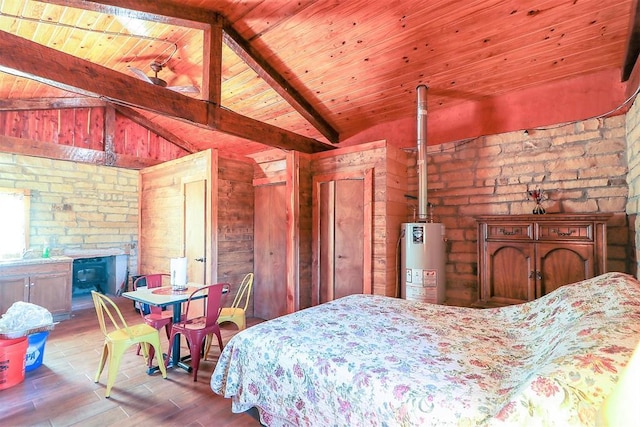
(565, 232)
(508, 231)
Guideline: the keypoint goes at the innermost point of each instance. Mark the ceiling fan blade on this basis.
(184, 89)
(141, 74)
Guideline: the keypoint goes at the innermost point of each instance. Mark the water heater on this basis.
(423, 262)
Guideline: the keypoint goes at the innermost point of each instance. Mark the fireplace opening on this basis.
(89, 274)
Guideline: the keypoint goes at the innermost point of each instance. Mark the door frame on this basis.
(367, 176)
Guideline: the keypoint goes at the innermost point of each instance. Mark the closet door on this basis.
(270, 226)
(342, 237)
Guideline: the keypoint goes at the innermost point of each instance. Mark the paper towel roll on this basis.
(179, 273)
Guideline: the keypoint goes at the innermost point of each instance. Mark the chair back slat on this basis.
(104, 305)
(213, 303)
(244, 291)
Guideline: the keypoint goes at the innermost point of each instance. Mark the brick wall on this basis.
(76, 206)
(633, 179)
(581, 166)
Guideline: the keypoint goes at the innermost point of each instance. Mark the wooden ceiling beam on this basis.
(154, 11)
(236, 124)
(633, 42)
(160, 11)
(212, 62)
(25, 58)
(50, 150)
(49, 103)
(282, 87)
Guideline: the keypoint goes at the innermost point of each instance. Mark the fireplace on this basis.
(90, 274)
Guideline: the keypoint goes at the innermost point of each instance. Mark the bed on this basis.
(366, 360)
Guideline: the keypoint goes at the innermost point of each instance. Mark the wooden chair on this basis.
(237, 312)
(196, 329)
(154, 316)
(118, 336)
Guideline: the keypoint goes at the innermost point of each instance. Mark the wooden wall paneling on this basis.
(292, 262)
(395, 213)
(161, 209)
(304, 230)
(30, 124)
(235, 224)
(81, 128)
(65, 127)
(324, 279)
(120, 135)
(139, 138)
(156, 149)
(5, 123)
(47, 126)
(96, 128)
(212, 172)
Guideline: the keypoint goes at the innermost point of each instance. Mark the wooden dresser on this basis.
(523, 257)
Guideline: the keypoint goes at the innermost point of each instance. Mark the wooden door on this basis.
(342, 236)
(511, 273)
(270, 233)
(559, 265)
(195, 236)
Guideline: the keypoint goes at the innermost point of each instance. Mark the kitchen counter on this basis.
(34, 261)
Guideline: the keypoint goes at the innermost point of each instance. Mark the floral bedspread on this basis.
(366, 360)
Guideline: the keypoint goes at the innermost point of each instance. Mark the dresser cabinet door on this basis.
(509, 273)
(559, 265)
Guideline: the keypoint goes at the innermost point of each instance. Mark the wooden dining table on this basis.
(162, 297)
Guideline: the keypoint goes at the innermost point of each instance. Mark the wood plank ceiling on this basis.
(308, 74)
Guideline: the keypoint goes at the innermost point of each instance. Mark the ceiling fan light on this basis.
(158, 81)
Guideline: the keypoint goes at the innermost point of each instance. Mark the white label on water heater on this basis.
(418, 234)
(430, 278)
(417, 276)
(408, 278)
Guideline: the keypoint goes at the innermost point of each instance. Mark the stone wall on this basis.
(582, 167)
(77, 206)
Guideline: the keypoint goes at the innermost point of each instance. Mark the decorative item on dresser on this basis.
(523, 257)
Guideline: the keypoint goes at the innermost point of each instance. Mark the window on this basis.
(14, 222)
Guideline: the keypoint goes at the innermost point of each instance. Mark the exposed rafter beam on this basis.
(633, 43)
(28, 59)
(154, 11)
(254, 60)
(50, 150)
(49, 103)
(159, 11)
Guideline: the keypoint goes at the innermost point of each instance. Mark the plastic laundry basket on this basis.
(12, 361)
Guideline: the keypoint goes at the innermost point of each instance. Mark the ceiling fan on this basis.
(157, 67)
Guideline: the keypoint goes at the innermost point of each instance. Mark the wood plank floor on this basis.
(61, 392)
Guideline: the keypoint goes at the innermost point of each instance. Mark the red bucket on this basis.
(12, 361)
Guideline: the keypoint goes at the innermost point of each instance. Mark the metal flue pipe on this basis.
(422, 151)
